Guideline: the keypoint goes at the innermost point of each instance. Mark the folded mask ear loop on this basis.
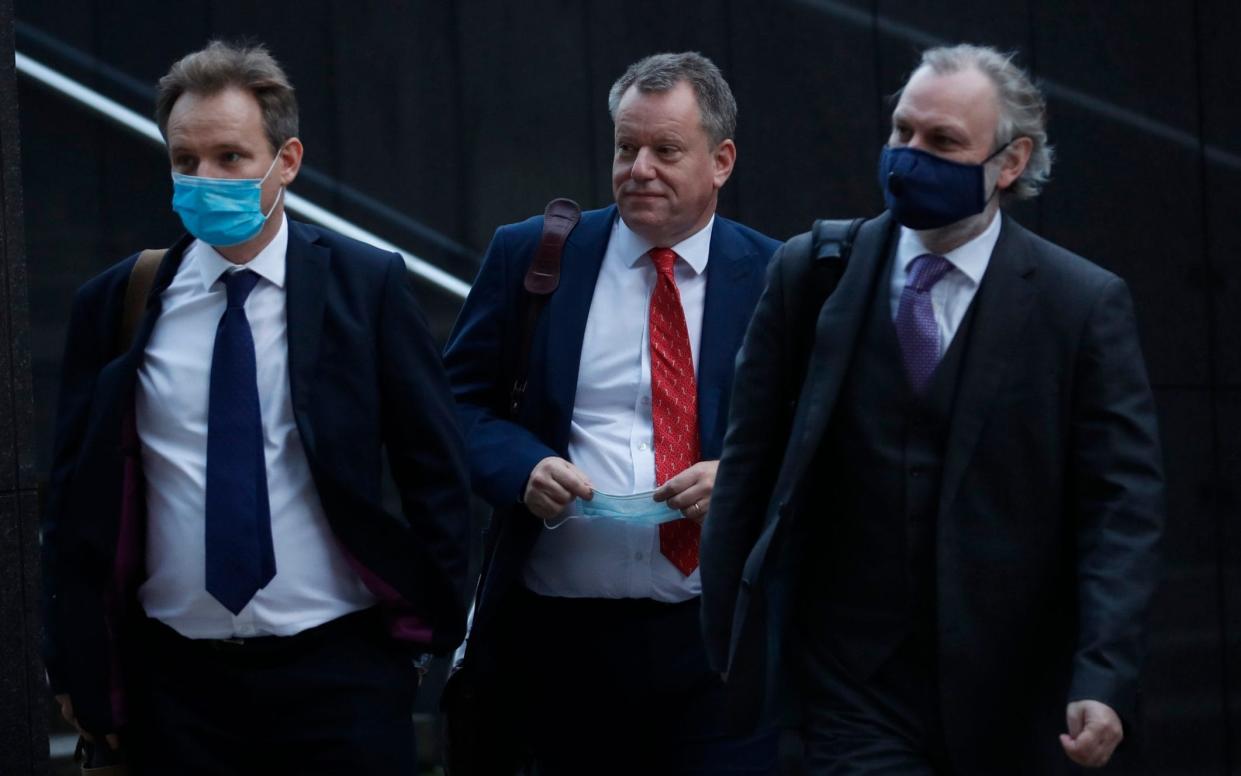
(551, 527)
(280, 195)
(272, 209)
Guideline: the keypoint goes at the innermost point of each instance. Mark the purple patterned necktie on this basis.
(916, 329)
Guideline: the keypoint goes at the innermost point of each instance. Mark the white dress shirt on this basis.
(951, 296)
(314, 583)
(611, 436)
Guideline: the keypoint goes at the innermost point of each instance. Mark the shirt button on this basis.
(637, 556)
(915, 471)
(644, 447)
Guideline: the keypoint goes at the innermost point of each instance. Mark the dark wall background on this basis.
(23, 699)
(431, 123)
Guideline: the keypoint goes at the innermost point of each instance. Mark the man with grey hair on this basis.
(586, 632)
(935, 527)
(226, 593)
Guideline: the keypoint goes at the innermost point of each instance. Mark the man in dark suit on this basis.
(945, 537)
(225, 592)
(592, 624)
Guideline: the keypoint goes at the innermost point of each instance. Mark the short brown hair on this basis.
(220, 66)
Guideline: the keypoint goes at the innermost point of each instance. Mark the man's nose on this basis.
(643, 165)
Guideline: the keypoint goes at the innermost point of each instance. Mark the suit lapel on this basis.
(836, 334)
(564, 319)
(306, 271)
(1003, 304)
(730, 278)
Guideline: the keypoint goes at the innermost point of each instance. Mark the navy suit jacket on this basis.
(365, 379)
(481, 359)
(1050, 507)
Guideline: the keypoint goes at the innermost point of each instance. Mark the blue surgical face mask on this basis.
(925, 191)
(222, 211)
(635, 509)
(638, 508)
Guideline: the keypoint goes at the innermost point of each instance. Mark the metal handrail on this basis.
(1092, 103)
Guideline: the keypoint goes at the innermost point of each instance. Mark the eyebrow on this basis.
(217, 148)
(950, 129)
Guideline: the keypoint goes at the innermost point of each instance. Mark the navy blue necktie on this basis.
(240, 558)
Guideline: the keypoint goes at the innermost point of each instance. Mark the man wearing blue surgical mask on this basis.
(226, 593)
(942, 543)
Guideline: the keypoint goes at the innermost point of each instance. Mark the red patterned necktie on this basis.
(674, 404)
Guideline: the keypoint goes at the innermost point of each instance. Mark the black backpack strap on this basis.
(813, 268)
(833, 239)
(542, 279)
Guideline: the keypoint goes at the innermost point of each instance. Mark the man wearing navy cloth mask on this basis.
(950, 546)
(588, 607)
(226, 593)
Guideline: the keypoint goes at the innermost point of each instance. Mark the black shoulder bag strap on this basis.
(542, 279)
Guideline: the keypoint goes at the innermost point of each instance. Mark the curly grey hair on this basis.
(1023, 109)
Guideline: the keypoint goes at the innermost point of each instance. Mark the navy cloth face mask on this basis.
(221, 211)
(925, 191)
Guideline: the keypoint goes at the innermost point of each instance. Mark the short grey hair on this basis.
(1023, 109)
(221, 66)
(717, 109)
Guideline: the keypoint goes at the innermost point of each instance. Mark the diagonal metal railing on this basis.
(119, 114)
(1092, 103)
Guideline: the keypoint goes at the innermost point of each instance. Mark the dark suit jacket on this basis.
(365, 377)
(482, 352)
(1051, 502)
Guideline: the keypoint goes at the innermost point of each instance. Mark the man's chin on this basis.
(641, 216)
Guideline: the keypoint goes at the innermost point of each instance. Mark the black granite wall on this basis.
(433, 122)
(23, 697)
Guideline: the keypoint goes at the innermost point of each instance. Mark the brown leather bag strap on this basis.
(542, 278)
(141, 278)
(559, 218)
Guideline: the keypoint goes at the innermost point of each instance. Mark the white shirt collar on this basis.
(971, 258)
(694, 250)
(268, 264)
